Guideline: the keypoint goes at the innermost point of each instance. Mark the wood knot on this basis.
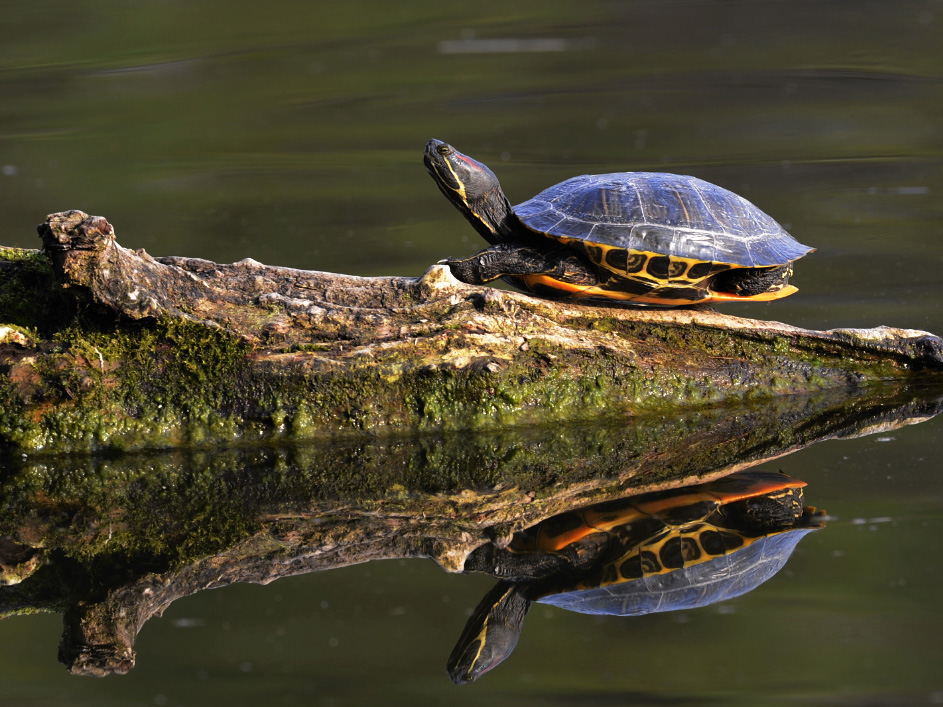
(75, 230)
(437, 282)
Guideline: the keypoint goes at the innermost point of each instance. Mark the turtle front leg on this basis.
(509, 259)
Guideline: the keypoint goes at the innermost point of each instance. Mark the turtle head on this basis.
(491, 633)
(472, 188)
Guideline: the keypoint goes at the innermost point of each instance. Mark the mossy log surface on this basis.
(107, 349)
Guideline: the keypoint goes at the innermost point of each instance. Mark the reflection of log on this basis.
(156, 352)
(128, 536)
(98, 636)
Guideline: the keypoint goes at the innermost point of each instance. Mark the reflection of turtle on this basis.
(663, 551)
(648, 237)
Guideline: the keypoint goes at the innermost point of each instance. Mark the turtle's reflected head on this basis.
(490, 634)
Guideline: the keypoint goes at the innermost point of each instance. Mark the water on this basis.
(292, 133)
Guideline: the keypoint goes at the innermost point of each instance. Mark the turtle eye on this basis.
(443, 149)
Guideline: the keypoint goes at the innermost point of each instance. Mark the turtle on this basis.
(662, 551)
(648, 238)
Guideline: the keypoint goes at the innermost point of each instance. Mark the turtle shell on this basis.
(718, 579)
(665, 227)
(677, 549)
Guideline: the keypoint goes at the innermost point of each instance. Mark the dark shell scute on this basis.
(659, 266)
(699, 270)
(618, 260)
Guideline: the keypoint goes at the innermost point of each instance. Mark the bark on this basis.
(127, 351)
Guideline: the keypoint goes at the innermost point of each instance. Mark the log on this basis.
(108, 349)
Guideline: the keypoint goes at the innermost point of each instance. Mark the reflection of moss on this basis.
(169, 509)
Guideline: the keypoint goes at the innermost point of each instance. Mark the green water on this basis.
(291, 132)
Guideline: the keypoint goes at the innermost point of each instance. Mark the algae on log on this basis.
(132, 352)
(110, 542)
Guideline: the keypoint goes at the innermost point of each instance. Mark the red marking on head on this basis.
(467, 160)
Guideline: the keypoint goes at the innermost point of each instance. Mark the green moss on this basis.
(131, 386)
(29, 298)
(14, 429)
(780, 346)
(178, 383)
(21, 255)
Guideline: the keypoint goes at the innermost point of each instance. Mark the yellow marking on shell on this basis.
(681, 277)
(600, 250)
(592, 522)
(597, 255)
(535, 282)
(605, 521)
(655, 547)
(762, 297)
